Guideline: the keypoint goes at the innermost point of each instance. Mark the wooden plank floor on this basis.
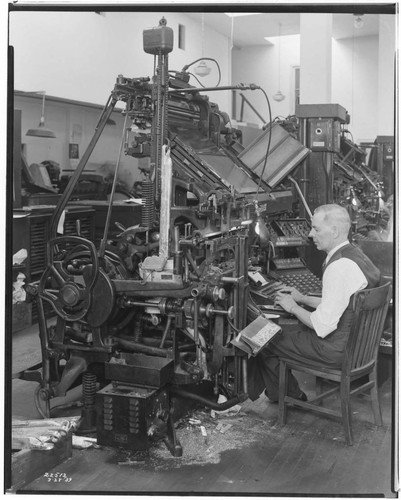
(308, 456)
(301, 458)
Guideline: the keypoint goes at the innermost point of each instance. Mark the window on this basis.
(181, 36)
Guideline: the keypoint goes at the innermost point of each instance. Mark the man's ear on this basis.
(335, 231)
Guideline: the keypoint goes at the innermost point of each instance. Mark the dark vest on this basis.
(371, 273)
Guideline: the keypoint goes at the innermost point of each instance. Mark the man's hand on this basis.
(286, 301)
(288, 297)
(293, 292)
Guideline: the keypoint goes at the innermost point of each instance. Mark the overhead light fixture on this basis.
(358, 21)
(41, 130)
(202, 69)
(279, 96)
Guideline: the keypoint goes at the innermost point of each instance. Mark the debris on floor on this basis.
(131, 461)
(206, 434)
(83, 442)
(41, 434)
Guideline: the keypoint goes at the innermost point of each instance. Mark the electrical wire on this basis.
(189, 73)
(184, 69)
(255, 305)
(232, 325)
(350, 133)
(196, 78)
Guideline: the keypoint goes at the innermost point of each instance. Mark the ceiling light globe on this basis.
(202, 69)
(279, 96)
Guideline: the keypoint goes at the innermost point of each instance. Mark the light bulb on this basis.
(262, 231)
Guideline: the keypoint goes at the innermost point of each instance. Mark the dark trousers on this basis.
(298, 345)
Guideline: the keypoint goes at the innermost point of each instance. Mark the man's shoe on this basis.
(273, 401)
(303, 397)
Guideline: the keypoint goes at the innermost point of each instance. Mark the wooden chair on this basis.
(359, 365)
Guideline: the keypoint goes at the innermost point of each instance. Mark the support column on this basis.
(316, 176)
(315, 60)
(386, 82)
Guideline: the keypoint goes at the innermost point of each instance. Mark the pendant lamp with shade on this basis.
(202, 69)
(41, 130)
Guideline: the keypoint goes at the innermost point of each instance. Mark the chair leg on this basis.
(319, 387)
(374, 394)
(283, 388)
(346, 410)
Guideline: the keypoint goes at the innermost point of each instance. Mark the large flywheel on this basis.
(70, 276)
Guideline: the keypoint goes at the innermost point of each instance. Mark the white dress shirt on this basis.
(341, 279)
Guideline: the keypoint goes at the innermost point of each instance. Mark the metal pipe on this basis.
(136, 303)
(252, 108)
(136, 347)
(177, 268)
(113, 189)
(189, 257)
(210, 404)
(196, 333)
(166, 330)
(301, 195)
(245, 374)
(108, 109)
(240, 86)
(175, 113)
(230, 279)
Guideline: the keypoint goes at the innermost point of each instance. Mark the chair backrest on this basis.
(370, 306)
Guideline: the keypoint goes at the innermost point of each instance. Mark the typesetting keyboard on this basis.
(302, 279)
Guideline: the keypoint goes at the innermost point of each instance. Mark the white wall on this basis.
(74, 124)
(260, 65)
(355, 77)
(388, 54)
(78, 55)
(354, 84)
